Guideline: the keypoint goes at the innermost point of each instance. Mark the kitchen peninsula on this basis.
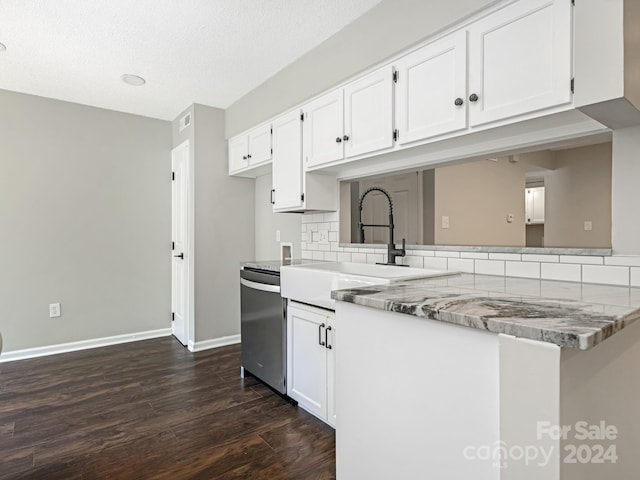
(489, 378)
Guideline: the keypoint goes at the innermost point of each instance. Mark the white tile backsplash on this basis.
(527, 257)
(466, 265)
(437, 263)
(490, 267)
(612, 270)
(609, 275)
(523, 269)
(561, 271)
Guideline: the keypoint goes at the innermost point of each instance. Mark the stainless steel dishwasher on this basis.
(263, 327)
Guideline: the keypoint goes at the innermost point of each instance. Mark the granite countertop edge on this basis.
(560, 321)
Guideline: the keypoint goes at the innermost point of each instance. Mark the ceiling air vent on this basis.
(185, 121)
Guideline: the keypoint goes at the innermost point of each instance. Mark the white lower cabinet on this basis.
(311, 349)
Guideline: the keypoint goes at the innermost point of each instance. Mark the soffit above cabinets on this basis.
(200, 51)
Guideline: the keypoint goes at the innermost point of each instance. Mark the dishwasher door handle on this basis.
(264, 287)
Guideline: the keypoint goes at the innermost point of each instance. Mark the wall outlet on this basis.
(54, 310)
(323, 237)
(445, 221)
(588, 226)
(510, 218)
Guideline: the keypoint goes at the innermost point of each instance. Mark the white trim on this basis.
(26, 353)
(214, 343)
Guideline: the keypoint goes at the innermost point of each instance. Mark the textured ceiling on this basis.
(203, 51)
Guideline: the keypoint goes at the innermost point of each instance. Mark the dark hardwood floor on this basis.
(153, 410)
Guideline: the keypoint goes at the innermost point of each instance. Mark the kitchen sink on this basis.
(312, 283)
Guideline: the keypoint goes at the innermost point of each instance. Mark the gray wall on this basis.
(224, 226)
(85, 203)
(386, 29)
(267, 223)
(625, 198)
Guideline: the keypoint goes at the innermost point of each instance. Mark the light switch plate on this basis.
(323, 237)
(588, 226)
(445, 221)
(54, 310)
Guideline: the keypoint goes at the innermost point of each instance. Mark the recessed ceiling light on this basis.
(3, 47)
(134, 80)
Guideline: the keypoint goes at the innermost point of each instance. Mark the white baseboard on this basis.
(14, 355)
(214, 343)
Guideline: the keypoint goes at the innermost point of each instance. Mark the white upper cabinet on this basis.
(287, 162)
(250, 149)
(323, 129)
(431, 89)
(260, 145)
(520, 60)
(368, 112)
(238, 150)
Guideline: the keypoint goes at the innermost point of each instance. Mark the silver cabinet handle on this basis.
(263, 287)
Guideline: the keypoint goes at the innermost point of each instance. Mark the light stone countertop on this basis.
(567, 314)
(274, 265)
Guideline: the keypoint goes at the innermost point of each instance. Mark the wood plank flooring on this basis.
(153, 410)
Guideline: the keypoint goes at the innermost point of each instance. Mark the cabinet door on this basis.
(431, 93)
(260, 145)
(368, 113)
(520, 60)
(323, 129)
(307, 360)
(287, 161)
(238, 151)
(535, 205)
(331, 371)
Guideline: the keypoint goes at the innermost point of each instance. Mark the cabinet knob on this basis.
(249, 156)
(473, 97)
(458, 102)
(345, 138)
(338, 140)
(244, 157)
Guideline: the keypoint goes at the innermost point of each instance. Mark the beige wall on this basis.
(576, 190)
(386, 29)
(268, 223)
(85, 216)
(224, 226)
(477, 198)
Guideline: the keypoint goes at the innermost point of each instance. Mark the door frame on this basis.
(190, 315)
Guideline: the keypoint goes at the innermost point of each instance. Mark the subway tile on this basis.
(461, 265)
(335, 227)
(381, 251)
(424, 253)
(489, 267)
(331, 256)
(413, 261)
(312, 246)
(324, 247)
(475, 255)
(374, 258)
(303, 227)
(303, 245)
(624, 260)
(312, 227)
(307, 218)
(324, 226)
(331, 217)
(582, 259)
(333, 236)
(446, 253)
(344, 257)
(359, 257)
(318, 255)
(609, 275)
(306, 254)
(315, 236)
(351, 249)
(437, 263)
(561, 271)
(523, 269)
(527, 257)
(335, 247)
(635, 276)
(318, 217)
(505, 256)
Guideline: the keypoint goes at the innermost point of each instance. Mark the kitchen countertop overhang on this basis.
(575, 315)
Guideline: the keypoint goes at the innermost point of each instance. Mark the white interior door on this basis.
(180, 278)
